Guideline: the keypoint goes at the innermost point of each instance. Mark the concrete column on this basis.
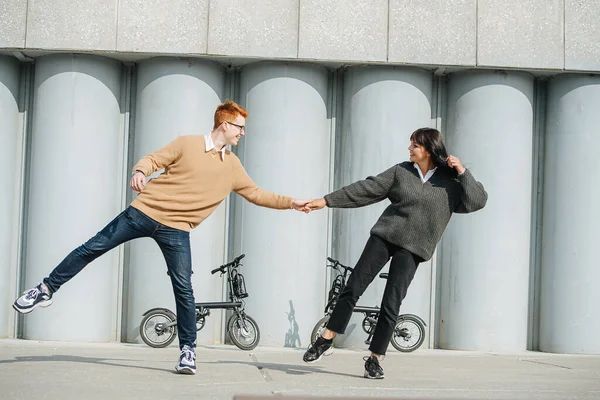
(485, 255)
(286, 150)
(569, 313)
(76, 153)
(174, 98)
(9, 159)
(381, 108)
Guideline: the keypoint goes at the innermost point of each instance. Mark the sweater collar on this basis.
(210, 146)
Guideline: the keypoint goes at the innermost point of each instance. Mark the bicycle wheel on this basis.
(409, 333)
(243, 332)
(154, 331)
(318, 329)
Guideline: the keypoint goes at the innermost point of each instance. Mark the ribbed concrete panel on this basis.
(286, 150)
(569, 313)
(343, 30)
(75, 150)
(13, 23)
(485, 255)
(267, 29)
(174, 98)
(582, 30)
(521, 34)
(163, 26)
(451, 42)
(72, 24)
(382, 107)
(9, 158)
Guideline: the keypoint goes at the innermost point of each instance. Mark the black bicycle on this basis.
(159, 325)
(409, 331)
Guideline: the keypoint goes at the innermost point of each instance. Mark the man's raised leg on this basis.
(123, 228)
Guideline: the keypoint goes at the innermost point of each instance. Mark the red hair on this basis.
(228, 111)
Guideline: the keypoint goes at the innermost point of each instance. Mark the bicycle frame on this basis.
(243, 330)
(235, 303)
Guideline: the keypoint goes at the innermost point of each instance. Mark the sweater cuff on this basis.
(137, 167)
(464, 174)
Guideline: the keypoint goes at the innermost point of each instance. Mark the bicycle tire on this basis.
(148, 325)
(399, 342)
(236, 332)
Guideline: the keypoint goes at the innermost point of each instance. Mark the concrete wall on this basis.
(569, 268)
(533, 34)
(10, 158)
(74, 190)
(484, 288)
(286, 150)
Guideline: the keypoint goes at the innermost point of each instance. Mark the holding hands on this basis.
(300, 205)
(316, 204)
(307, 206)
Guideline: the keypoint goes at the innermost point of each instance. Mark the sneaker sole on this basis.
(366, 375)
(44, 303)
(185, 371)
(327, 352)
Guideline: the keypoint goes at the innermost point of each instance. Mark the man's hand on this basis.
(137, 182)
(454, 162)
(300, 205)
(316, 204)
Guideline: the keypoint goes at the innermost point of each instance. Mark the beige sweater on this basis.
(194, 183)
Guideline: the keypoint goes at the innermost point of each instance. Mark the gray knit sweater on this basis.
(419, 212)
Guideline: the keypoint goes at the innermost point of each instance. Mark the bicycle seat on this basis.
(383, 275)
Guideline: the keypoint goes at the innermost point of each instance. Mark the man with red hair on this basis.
(200, 172)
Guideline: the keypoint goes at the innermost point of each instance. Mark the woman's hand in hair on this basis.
(454, 162)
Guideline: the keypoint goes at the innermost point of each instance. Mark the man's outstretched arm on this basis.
(245, 187)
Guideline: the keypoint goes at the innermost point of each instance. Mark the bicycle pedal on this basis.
(367, 342)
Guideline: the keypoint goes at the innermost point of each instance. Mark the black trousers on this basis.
(375, 255)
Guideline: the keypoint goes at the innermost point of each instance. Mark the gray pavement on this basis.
(61, 370)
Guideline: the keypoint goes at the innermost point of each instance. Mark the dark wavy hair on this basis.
(431, 139)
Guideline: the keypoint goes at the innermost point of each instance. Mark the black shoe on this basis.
(372, 368)
(322, 347)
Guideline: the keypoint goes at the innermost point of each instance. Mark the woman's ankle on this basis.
(327, 334)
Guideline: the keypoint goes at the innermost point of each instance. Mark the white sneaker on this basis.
(32, 298)
(187, 361)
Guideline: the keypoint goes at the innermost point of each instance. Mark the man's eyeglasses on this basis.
(242, 127)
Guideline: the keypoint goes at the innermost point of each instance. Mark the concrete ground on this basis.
(60, 370)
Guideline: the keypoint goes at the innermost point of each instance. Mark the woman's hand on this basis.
(316, 204)
(454, 162)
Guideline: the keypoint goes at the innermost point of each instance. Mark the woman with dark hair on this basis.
(424, 192)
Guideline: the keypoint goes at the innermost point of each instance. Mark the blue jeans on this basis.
(174, 244)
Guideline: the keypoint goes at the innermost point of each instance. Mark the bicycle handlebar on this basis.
(229, 264)
(336, 263)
